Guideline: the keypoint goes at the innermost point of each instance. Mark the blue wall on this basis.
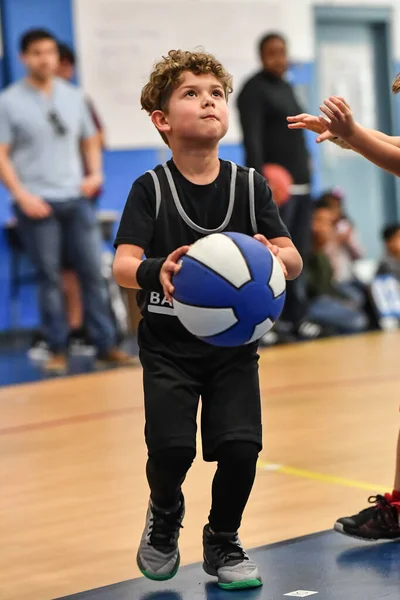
(121, 168)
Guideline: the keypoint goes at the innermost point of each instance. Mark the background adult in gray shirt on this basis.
(45, 131)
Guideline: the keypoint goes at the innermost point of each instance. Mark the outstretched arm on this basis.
(313, 123)
(394, 140)
(340, 122)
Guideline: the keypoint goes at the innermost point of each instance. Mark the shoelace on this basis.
(228, 550)
(383, 512)
(163, 530)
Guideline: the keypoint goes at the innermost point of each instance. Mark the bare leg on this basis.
(73, 300)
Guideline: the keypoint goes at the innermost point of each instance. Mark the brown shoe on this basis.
(114, 357)
(57, 363)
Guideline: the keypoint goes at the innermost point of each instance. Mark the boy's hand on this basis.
(170, 268)
(273, 249)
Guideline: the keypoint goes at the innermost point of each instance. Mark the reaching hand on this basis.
(306, 121)
(320, 125)
(169, 269)
(312, 123)
(338, 117)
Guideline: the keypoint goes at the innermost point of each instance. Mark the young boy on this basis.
(191, 196)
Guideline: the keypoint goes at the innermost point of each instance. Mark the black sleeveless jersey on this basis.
(165, 211)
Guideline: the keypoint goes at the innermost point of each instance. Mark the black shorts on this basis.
(227, 382)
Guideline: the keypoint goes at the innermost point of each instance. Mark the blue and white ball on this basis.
(230, 289)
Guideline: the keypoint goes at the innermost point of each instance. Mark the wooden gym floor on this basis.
(73, 489)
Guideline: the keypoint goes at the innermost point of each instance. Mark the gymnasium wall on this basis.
(122, 167)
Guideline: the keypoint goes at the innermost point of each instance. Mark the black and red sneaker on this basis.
(378, 522)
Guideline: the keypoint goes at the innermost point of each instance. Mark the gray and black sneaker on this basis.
(158, 555)
(225, 558)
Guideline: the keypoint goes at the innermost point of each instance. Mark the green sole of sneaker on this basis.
(241, 585)
(153, 577)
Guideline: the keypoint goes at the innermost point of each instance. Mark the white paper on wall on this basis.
(118, 41)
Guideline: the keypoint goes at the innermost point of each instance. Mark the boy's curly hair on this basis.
(167, 74)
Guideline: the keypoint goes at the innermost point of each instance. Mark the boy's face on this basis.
(322, 225)
(197, 111)
(393, 245)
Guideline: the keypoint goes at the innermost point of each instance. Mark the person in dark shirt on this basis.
(264, 103)
(192, 195)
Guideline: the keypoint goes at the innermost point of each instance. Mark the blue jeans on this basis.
(336, 313)
(72, 223)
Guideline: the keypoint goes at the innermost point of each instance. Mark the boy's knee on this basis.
(236, 452)
(177, 459)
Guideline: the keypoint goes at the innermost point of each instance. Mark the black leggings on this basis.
(231, 487)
